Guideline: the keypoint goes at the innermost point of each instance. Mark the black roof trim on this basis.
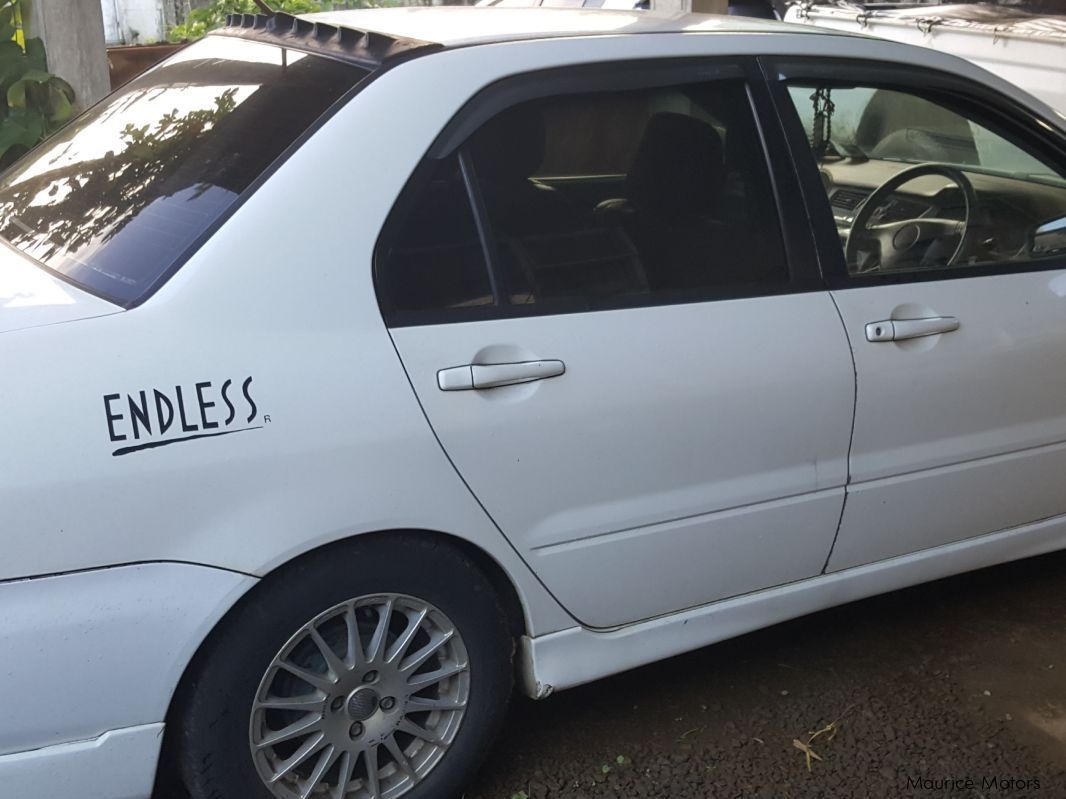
(368, 49)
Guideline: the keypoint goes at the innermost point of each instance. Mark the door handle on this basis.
(494, 375)
(900, 329)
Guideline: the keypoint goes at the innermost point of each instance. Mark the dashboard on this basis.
(1009, 208)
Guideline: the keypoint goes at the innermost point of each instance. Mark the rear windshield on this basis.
(116, 200)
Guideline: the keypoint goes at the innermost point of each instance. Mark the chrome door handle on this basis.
(494, 375)
(900, 329)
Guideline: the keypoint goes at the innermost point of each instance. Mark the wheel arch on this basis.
(497, 576)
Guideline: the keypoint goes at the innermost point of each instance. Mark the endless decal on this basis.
(199, 411)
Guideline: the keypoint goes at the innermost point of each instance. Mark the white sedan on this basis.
(359, 366)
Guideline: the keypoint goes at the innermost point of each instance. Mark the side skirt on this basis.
(579, 655)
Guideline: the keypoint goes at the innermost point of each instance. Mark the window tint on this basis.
(436, 260)
(115, 199)
(591, 200)
(976, 196)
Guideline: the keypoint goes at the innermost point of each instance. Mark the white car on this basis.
(358, 365)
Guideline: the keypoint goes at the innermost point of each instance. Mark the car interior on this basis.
(666, 192)
(602, 195)
(915, 185)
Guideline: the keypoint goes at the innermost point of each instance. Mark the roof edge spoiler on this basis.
(363, 47)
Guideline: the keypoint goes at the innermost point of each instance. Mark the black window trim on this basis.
(1007, 116)
(798, 246)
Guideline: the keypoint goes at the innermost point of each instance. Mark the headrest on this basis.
(678, 167)
(510, 146)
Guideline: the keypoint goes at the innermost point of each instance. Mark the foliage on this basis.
(33, 102)
(201, 20)
(46, 211)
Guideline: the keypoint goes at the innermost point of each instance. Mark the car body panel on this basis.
(959, 434)
(279, 309)
(352, 441)
(667, 456)
(31, 297)
(577, 656)
(122, 765)
(126, 635)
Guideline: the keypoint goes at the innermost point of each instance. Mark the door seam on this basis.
(851, 436)
(469, 489)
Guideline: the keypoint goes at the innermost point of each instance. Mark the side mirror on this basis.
(1049, 238)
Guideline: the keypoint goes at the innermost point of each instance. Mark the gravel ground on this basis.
(962, 680)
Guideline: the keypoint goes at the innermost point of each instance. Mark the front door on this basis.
(648, 397)
(952, 289)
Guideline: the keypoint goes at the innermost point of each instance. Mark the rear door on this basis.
(635, 370)
(959, 340)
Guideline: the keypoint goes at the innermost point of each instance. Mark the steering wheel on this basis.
(898, 240)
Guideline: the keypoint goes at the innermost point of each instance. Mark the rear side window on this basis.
(438, 260)
(117, 199)
(596, 200)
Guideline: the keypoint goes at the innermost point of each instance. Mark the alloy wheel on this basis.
(362, 702)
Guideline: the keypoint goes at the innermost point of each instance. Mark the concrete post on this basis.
(73, 34)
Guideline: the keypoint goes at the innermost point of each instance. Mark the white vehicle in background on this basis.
(360, 367)
(1027, 48)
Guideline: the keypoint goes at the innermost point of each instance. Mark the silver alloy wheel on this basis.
(362, 702)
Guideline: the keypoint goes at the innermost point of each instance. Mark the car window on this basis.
(594, 199)
(114, 201)
(917, 183)
(437, 260)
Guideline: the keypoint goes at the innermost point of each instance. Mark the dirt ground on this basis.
(962, 681)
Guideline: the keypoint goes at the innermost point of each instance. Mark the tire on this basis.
(226, 742)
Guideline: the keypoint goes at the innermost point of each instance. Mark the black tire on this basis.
(211, 746)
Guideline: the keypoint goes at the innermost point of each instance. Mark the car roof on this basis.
(457, 26)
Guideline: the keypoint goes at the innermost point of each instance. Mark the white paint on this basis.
(119, 764)
(952, 432)
(348, 449)
(577, 656)
(93, 651)
(29, 296)
(652, 475)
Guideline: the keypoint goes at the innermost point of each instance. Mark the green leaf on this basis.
(17, 94)
(63, 86)
(61, 108)
(21, 128)
(37, 76)
(35, 54)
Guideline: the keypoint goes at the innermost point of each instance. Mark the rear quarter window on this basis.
(116, 200)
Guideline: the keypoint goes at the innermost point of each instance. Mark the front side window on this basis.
(918, 184)
(596, 200)
(115, 200)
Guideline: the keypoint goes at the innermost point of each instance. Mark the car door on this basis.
(650, 393)
(953, 294)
